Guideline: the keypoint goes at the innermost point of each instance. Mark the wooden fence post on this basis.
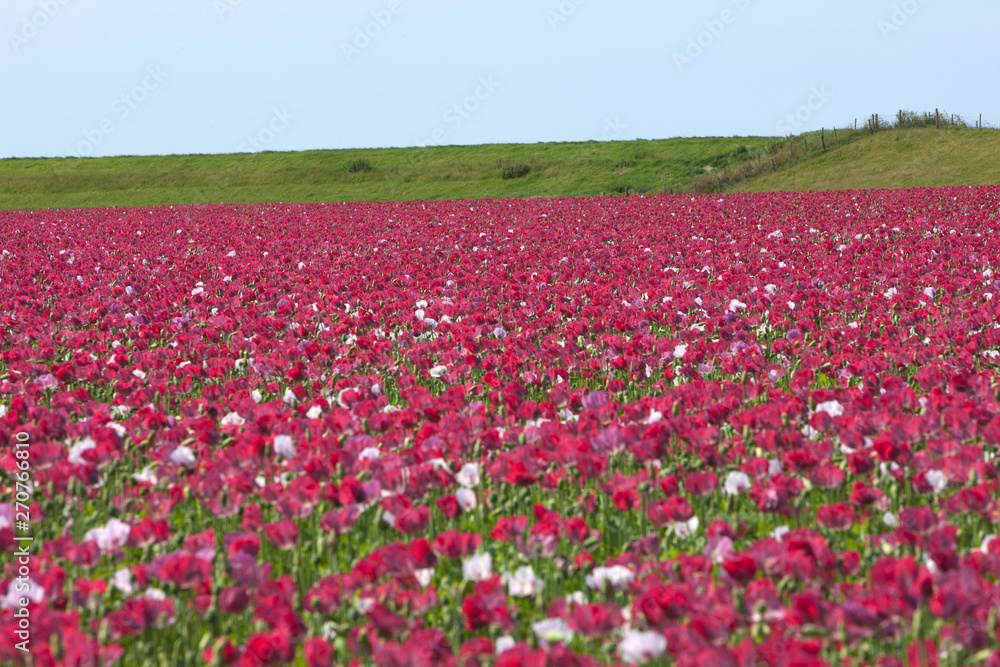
(937, 119)
(822, 137)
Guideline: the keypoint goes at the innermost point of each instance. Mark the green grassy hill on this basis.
(852, 159)
(448, 172)
(917, 157)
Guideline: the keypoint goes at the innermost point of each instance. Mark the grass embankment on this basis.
(899, 158)
(448, 172)
(895, 158)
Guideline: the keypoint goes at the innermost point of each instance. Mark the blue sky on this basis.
(127, 77)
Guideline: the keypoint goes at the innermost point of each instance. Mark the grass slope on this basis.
(447, 172)
(918, 157)
(888, 159)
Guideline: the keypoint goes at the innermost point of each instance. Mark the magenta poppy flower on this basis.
(455, 544)
(838, 516)
(594, 620)
(283, 534)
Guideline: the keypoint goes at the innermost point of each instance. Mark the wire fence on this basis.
(783, 151)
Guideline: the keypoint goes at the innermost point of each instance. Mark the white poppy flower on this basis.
(937, 480)
(77, 450)
(686, 528)
(618, 576)
(183, 456)
(284, 446)
(468, 476)
(523, 583)
(551, 630)
(477, 567)
(736, 482)
(424, 576)
(12, 600)
(111, 536)
(641, 647)
(147, 474)
(122, 580)
(504, 643)
(232, 419)
(832, 408)
(466, 499)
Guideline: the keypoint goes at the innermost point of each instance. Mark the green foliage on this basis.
(775, 145)
(513, 169)
(359, 165)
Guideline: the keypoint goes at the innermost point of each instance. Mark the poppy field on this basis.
(703, 431)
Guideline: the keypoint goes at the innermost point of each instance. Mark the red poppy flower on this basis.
(454, 544)
(594, 620)
(245, 542)
(448, 504)
(340, 521)
(283, 534)
(740, 567)
(317, 653)
(669, 510)
(414, 520)
(385, 622)
(701, 483)
(918, 520)
(509, 527)
(827, 475)
(182, 569)
(234, 600)
(838, 516)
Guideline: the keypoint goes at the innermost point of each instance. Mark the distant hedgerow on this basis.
(513, 169)
(359, 165)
